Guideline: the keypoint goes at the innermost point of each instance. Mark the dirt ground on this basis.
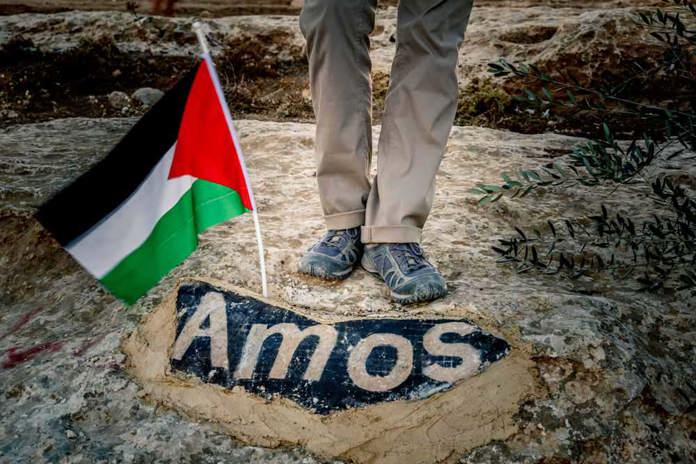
(183, 7)
(233, 7)
(264, 71)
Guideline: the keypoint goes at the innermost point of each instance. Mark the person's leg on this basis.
(419, 113)
(337, 35)
(156, 6)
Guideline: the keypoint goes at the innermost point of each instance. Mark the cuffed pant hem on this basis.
(345, 220)
(390, 234)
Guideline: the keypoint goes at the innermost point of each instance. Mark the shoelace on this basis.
(335, 238)
(409, 256)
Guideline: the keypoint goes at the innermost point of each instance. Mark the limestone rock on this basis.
(118, 100)
(8, 114)
(615, 365)
(147, 96)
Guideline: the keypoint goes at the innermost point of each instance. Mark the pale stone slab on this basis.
(436, 429)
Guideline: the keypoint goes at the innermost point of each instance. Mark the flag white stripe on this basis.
(126, 228)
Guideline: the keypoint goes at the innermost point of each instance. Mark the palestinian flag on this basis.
(137, 213)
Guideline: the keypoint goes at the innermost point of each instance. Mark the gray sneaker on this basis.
(334, 256)
(409, 276)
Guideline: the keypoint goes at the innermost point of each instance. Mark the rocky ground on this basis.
(614, 365)
(264, 69)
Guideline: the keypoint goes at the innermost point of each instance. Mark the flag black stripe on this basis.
(84, 203)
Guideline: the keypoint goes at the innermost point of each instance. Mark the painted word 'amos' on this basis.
(233, 340)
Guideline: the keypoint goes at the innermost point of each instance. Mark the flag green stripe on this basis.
(173, 239)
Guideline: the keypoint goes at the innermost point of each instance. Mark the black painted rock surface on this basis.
(231, 339)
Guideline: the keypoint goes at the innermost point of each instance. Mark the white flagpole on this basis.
(198, 29)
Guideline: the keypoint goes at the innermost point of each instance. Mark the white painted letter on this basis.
(292, 337)
(211, 305)
(357, 362)
(470, 356)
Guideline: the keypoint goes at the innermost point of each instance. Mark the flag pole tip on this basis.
(198, 29)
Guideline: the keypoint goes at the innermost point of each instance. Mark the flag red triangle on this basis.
(204, 147)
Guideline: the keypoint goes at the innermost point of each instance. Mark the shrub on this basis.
(659, 251)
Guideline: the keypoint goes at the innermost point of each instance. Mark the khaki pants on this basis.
(419, 111)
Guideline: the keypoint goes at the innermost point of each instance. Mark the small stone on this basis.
(8, 114)
(70, 434)
(147, 96)
(285, 56)
(579, 392)
(116, 73)
(118, 100)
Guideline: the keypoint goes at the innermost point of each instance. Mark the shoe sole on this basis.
(410, 299)
(314, 272)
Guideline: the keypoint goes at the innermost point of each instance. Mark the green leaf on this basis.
(490, 198)
(607, 134)
(571, 230)
(547, 94)
(526, 191)
(499, 250)
(571, 97)
(519, 231)
(497, 197)
(534, 175)
(560, 169)
(509, 183)
(490, 188)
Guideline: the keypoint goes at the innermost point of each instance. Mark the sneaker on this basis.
(334, 256)
(409, 276)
